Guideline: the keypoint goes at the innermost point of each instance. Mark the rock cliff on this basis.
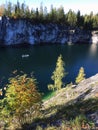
(18, 31)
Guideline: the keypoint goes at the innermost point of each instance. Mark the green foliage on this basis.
(58, 75)
(71, 19)
(81, 75)
(60, 15)
(22, 97)
(77, 122)
(9, 9)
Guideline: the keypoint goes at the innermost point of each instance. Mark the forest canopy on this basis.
(55, 15)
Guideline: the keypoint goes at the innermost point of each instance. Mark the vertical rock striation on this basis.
(19, 31)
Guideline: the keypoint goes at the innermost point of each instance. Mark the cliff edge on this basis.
(19, 31)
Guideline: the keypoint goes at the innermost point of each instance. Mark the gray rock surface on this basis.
(13, 32)
(72, 94)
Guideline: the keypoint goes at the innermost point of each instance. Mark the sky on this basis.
(85, 6)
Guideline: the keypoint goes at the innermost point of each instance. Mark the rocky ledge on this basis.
(18, 31)
(74, 100)
(72, 107)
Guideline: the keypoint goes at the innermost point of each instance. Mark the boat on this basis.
(25, 55)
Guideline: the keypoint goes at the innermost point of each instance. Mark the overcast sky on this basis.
(85, 6)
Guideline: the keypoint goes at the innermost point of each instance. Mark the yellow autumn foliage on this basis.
(81, 76)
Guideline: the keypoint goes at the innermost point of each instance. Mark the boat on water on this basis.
(25, 55)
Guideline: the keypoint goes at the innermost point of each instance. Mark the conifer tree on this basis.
(81, 76)
(58, 75)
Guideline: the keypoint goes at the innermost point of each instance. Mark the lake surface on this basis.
(42, 61)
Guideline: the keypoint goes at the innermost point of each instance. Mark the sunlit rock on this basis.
(18, 31)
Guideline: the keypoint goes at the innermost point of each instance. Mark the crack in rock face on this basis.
(22, 31)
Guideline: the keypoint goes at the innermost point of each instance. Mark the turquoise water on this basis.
(42, 59)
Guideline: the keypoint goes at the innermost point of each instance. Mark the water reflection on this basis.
(93, 50)
(42, 61)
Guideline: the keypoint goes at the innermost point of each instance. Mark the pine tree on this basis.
(71, 18)
(81, 76)
(58, 75)
(60, 15)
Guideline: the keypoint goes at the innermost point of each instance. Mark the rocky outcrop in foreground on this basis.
(85, 90)
(72, 107)
(13, 32)
(75, 99)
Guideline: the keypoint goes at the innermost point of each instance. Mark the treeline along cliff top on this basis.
(55, 15)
